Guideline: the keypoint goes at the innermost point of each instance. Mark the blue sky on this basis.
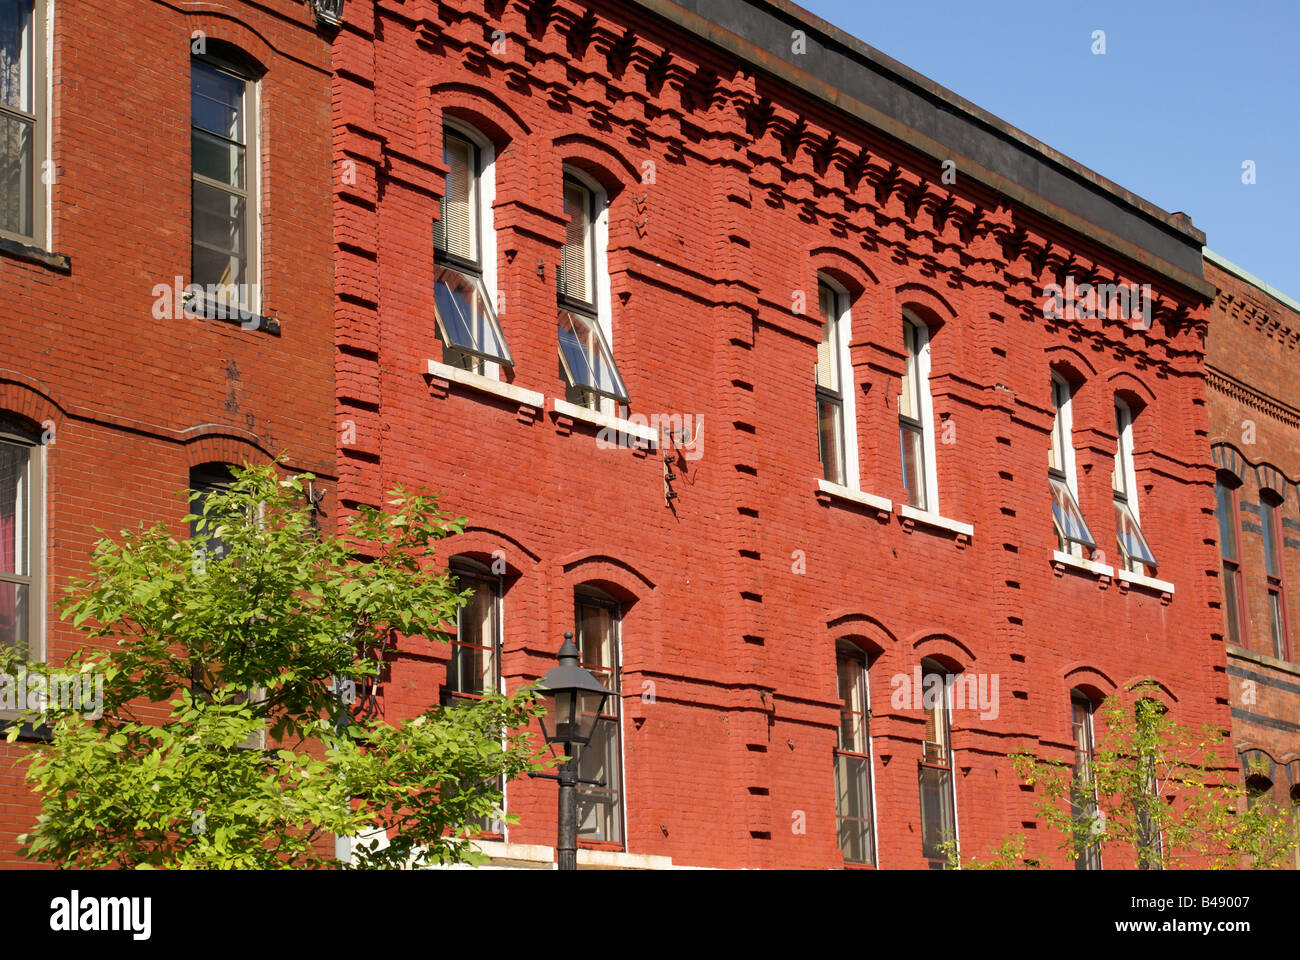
(1186, 91)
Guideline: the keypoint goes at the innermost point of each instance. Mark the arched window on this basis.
(1274, 581)
(206, 479)
(915, 417)
(1227, 505)
(23, 117)
(1072, 533)
(584, 325)
(1134, 552)
(938, 806)
(836, 442)
(853, 798)
(600, 808)
(22, 539)
(464, 253)
(225, 175)
(1083, 788)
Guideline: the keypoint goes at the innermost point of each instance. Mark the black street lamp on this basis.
(575, 701)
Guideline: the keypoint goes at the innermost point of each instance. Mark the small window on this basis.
(830, 394)
(22, 119)
(467, 322)
(600, 808)
(1083, 787)
(1072, 533)
(586, 360)
(205, 480)
(1135, 554)
(938, 807)
(224, 174)
(914, 431)
(1227, 510)
(853, 800)
(22, 540)
(1270, 525)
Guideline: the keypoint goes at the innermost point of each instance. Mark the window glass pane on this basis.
(17, 62)
(14, 513)
(1275, 624)
(456, 229)
(1132, 544)
(1056, 454)
(851, 672)
(586, 359)
(1268, 524)
(14, 613)
(599, 818)
(1066, 516)
(576, 258)
(1231, 603)
(937, 823)
(910, 441)
(1227, 520)
(217, 159)
(907, 401)
(217, 101)
(1118, 476)
(829, 415)
(465, 317)
(853, 807)
(828, 373)
(17, 182)
(472, 669)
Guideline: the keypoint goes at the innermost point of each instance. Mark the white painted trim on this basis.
(477, 381)
(1080, 563)
(596, 417)
(883, 504)
(1151, 583)
(932, 519)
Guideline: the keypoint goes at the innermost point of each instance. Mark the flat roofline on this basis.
(859, 80)
(1254, 281)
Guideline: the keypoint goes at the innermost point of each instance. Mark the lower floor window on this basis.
(600, 808)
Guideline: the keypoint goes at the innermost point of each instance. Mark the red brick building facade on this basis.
(147, 146)
(740, 347)
(1251, 360)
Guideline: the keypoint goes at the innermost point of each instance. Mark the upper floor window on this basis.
(915, 431)
(474, 667)
(1083, 787)
(1270, 525)
(22, 119)
(464, 258)
(226, 205)
(830, 393)
(22, 540)
(586, 361)
(206, 479)
(938, 806)
(1072, 533)
(600, 808)
(1134, 552)
(1226, 508)
(853, 800)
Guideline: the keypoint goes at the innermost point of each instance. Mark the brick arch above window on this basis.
(488, 545)
(1160, 692)
(609, 167)
(1130, 388)
(842, 267)
(214, 443)
(1095, 684)
(26, 397)
(228, 38)
(619, 578)
(1071, 364)
(861, 629)
(478, 107)
(942, 648)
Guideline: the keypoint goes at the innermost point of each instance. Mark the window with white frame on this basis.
(1083, 786)
(836, 436)
(1134, 553)
(600, 808)
(22, 119)
(915, 418)
(853, 799)
(583, 323)
(22, 539)
(475, 665)
(465, 258)
(1072, 533)
(938, 803)
(226, 199)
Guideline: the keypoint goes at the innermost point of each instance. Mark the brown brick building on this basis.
(144, 147)
(1253, 369)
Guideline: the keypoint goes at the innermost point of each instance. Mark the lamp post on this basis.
(574, 702)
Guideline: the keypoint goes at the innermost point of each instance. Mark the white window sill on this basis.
(628, 428)
(1150, 583)
(476, 381)
(910, 512)
(1080, 563)
(883, 504)
(538, 856)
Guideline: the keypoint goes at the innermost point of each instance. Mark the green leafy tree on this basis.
(278, 636)
(1159, 790)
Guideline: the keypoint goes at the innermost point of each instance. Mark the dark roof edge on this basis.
(883, 93)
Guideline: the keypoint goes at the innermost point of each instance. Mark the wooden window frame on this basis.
(35, 187)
